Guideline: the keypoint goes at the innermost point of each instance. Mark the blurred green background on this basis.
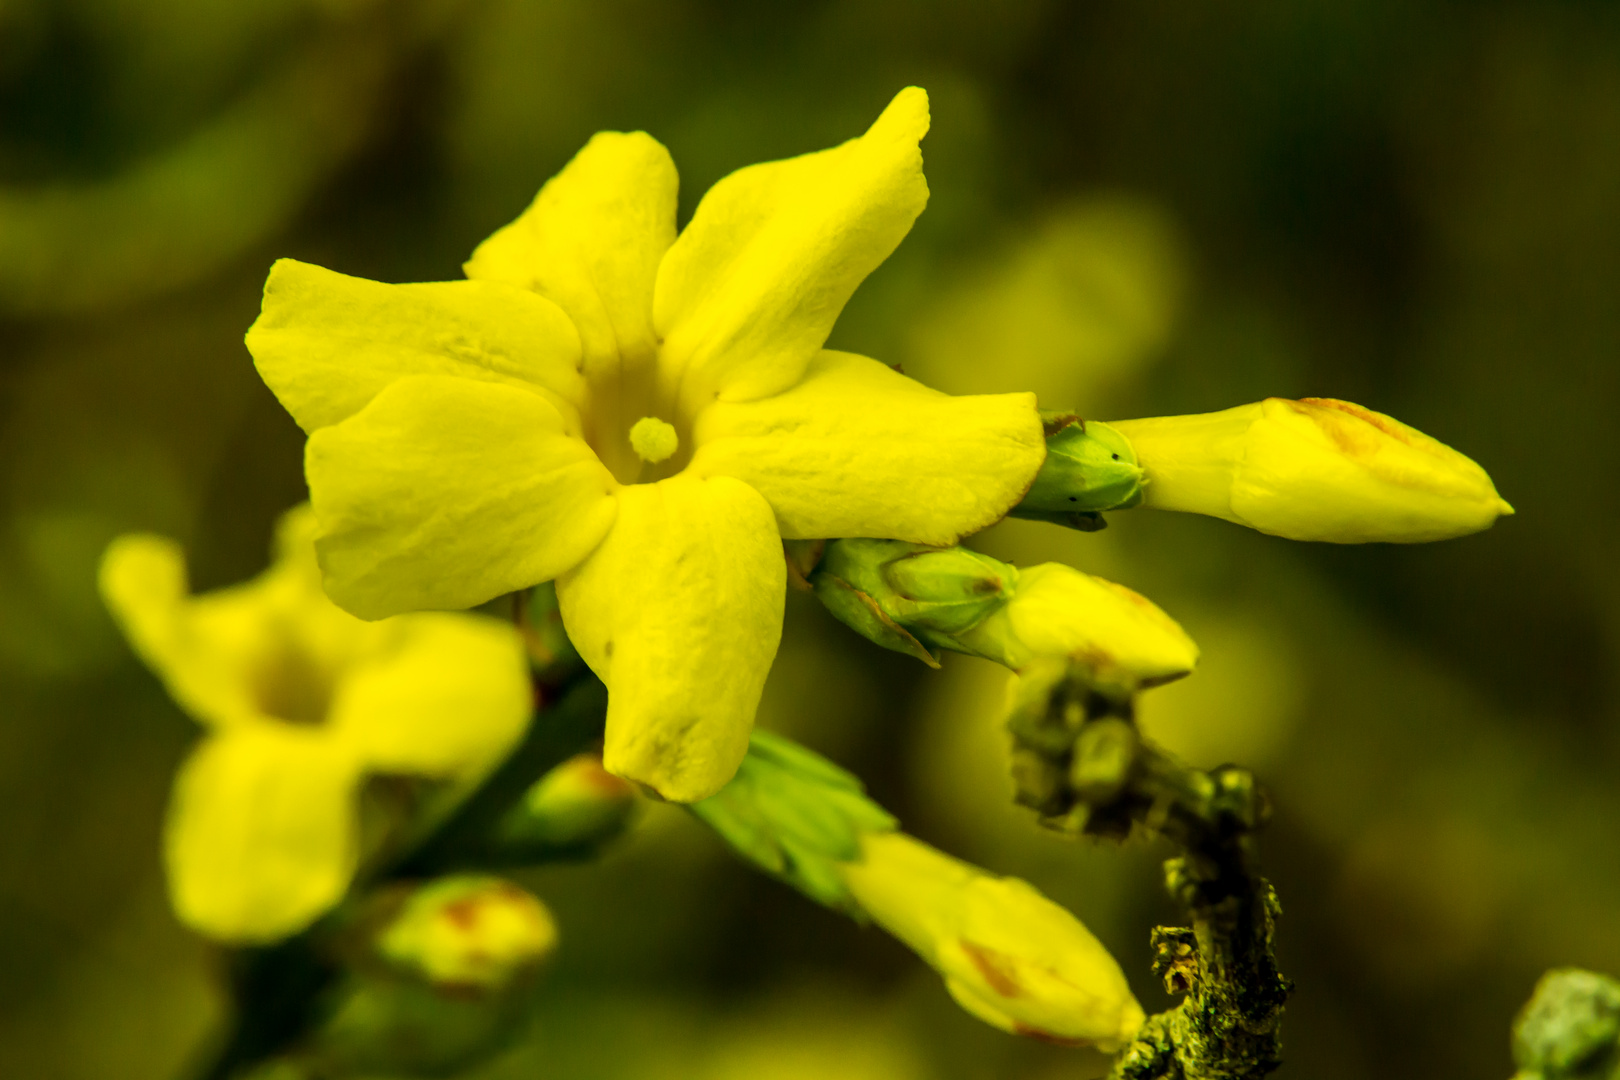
(1139, 207)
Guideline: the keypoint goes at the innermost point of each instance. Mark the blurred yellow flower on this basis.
(1313, 469)
(642, 417)
(301, 701)
(1009, 955)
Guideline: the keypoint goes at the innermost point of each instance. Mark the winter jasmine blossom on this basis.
(641, 416)
(301, 701)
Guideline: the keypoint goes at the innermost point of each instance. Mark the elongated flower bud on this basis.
(1060, 612)
(1313, 469)
(1009, 955)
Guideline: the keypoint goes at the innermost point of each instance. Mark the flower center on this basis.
(293, 686)
(653, 440)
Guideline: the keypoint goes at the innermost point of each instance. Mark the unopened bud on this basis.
(1314, 469)
(1060, 612)
(1089, 468)
(910, 597)
(438, 979)
(572, 810)
(468, 932)
(1009, 955)
(1104, 756)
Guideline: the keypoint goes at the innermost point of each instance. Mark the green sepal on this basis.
(1089, 468)
(911, 598)
(860, 612)
(796, 816)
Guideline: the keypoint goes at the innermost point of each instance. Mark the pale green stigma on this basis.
(653, 439)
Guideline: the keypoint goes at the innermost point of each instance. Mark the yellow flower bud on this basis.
(468, 932)
(1009, 955)
(1314, 469)
(1060, 612)
(437, 976)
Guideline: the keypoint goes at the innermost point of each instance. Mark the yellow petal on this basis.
(264, 649)
(327, 343)
(680, 612)
(143, 582)
(438, 694)
(591, 242)
(1058, 611)
(749, 292)
(859, 450)
(261, 834)
(445, 493)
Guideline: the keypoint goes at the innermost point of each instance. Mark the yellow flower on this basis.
(301, 701)
(1009, 955)
(1314, 469)
(642, 416)
(1057, 611)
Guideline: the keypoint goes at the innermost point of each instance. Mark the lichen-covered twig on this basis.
(1081, 763)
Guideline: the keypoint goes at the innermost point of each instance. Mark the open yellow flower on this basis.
(641, 416)
(301, 701)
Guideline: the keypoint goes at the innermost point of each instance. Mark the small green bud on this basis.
(1570, 1028)
(947, 591)
(795, 815)
(1089, 468)
(571, 811)
(1104, 755)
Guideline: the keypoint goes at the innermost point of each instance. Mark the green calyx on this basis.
(1089, 468)
(795, 815)
(909, 597)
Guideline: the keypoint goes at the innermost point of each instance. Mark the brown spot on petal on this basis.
(1046, 1036)
(996, 967)
(1350, 440)
(463, 913)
